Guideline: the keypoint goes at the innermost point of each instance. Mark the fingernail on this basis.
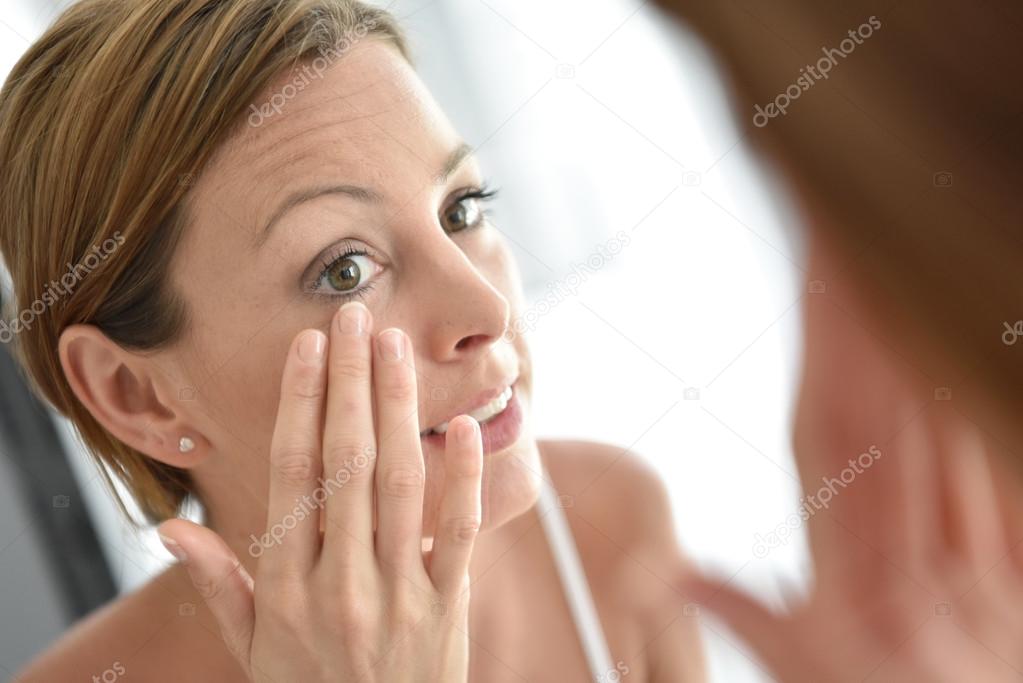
(311, 346)
(392, 345)
(353, 319)
(174, 549)
(467, 429)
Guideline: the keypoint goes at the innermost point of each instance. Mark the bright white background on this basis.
(594, 118)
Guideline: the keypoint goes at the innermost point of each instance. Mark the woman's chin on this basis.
(511, 483)
(511, 486)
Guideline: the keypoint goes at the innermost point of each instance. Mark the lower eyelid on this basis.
(334, 298)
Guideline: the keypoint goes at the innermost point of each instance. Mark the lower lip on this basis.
(500, 432)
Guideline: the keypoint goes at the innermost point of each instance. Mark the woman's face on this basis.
(356, 188)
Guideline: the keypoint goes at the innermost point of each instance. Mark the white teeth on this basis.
(483, 414)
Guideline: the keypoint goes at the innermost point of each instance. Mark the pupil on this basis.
(457, 216)
(345, 275)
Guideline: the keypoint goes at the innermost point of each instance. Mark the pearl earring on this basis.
(186, 445)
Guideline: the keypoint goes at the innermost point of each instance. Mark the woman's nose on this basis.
(466, 314)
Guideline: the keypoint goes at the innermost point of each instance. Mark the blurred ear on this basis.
(122, 390)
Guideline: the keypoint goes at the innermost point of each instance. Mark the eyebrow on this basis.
(361, 194)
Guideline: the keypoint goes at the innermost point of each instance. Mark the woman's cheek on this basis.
(503, 272)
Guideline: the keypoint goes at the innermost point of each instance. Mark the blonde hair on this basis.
(105, 123)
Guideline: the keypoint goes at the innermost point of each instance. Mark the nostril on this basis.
(466, 343)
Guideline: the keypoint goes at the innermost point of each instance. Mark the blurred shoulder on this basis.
(622, 522)
(614, 491)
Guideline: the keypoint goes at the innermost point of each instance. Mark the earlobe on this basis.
(118, 388)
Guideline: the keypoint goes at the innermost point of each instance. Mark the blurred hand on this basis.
(918, 574)
(937, 599)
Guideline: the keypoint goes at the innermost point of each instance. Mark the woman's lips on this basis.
(498, 433)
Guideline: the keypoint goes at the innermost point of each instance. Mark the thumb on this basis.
(751, 621)
(220, 579)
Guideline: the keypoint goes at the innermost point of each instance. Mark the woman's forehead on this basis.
(368, 116)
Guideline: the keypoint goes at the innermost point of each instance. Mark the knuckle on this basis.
(401, 481)
(351, 405)
(296, 466)
(209, 589)
(348, 455)
(350, 367)
(403, 618)
(462, 529)
(350, 614)
(307, 386)
(398, 386)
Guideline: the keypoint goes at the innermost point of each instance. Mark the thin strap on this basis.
(573, 580)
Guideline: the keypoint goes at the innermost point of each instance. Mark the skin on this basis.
(369, 123)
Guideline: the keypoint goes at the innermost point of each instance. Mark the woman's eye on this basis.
(348, 274)
(464, 214)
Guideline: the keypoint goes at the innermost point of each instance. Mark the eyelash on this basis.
(484, 194)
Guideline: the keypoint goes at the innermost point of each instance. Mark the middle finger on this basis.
(349, 443)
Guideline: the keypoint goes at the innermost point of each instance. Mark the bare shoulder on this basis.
(621, 519)
(151, 634)
(616, 492)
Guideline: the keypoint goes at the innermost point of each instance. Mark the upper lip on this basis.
(478, 401)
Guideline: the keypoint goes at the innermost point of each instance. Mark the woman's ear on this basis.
(120, 390)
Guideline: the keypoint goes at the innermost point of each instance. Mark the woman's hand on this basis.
(919, 573)
(362, 601)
